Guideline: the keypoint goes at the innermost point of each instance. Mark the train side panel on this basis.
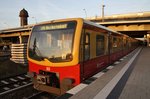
(94, 50)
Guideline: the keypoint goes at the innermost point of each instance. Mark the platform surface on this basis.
(129, 78)
(138, 84)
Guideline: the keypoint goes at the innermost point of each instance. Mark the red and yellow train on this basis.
(63, 53)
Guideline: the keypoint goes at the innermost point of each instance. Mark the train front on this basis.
(53, 56)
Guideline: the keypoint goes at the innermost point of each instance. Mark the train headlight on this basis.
(43, 79)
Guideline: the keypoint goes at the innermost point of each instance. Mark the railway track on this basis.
(14, 83)
(41, 95)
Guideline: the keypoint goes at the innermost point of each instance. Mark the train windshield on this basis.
(52, 41)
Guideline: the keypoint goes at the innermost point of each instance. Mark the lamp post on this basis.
(103, 12)
(85, 12)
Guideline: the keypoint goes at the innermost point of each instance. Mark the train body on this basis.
(63, 53)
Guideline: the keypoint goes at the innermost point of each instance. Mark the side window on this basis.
(86, 46)
(115, 42)
(100, 44)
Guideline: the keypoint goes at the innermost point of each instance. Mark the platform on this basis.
(129, 78)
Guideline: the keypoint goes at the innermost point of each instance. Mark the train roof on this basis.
(102, 27)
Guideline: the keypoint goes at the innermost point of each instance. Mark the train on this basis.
(65, 52)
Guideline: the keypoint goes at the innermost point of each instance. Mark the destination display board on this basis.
(55, 26)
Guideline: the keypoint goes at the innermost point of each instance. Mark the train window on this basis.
(87, 47)
(100, 45)
(52, 41)
(87, 38)
(115, 42)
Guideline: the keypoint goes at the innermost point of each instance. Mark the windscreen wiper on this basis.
(37, 51)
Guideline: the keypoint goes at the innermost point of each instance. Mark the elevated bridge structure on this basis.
(15, 35)
(134, 24)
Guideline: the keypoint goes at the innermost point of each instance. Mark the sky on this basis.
(45, 10)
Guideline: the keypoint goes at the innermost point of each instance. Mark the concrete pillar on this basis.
(20, 39)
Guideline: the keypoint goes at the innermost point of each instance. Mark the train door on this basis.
(84, 52)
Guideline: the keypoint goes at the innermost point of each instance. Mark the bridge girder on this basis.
(135, 29)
